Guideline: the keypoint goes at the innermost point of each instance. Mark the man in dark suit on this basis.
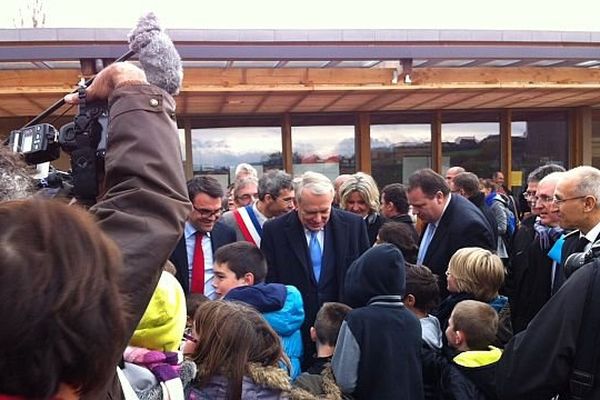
(453, 222)
(577, 195)
(312, 247)
(202, 236)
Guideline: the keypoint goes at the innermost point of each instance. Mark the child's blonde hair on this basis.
(477, 271)
(478, 321)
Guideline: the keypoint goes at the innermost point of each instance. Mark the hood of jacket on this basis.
(264, 297)
(290, 317)
(377, 272)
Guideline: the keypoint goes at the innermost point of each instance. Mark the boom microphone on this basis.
(157, 54)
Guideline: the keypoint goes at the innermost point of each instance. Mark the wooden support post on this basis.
(286, 143)
(436, 142)
(505, 146)
(580, 133)
(362, 148)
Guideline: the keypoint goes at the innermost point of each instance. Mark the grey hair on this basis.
(587, 181)
(540, 172)
(314, 182)
(552, 178)
(242, 183)
(246, 169)
(272, 182)
(15, 176)
(363, 184)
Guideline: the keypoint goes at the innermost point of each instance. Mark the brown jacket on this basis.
(145, 204)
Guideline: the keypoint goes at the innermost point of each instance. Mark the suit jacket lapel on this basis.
(440, 232)
(294, 231)
(340, 232)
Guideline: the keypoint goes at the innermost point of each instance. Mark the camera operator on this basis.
(558, 352)
(66, 320)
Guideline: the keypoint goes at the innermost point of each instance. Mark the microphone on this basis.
(157, 54)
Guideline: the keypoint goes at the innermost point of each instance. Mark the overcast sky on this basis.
(573, 15)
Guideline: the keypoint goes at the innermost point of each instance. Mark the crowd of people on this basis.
(300, 288)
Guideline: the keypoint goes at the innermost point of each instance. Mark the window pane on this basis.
(538, 139)
(325, 149)
(474, 146)
(217, 151)
(399, 150)
(596, 139)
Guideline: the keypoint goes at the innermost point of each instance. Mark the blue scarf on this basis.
(546, 235)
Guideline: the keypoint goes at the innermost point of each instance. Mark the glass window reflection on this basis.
(217, 151)
(325, 149)
(397, 150)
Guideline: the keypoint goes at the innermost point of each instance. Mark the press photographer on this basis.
(72, 292)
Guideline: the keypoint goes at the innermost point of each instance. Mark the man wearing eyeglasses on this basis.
(577, 196)
(275, 198)
(245, 191)
(203, 235)
(534, 275)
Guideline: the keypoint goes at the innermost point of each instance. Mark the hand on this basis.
(106, 81)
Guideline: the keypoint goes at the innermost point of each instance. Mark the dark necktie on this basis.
(581, 243)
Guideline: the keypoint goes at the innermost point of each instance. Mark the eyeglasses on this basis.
(530, 196)
(247, 196)
(204, 213)
(286, 200)
(558, 201)
(544, 199)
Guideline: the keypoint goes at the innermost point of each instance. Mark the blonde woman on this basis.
(359, 195)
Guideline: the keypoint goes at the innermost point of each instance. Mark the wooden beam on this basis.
(331, 103)
(286, 143)
(362, 147)
(436, 142)
(505, 145)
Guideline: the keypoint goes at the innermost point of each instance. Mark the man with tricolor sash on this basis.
(275, 198)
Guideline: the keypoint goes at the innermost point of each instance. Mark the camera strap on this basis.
(583, 376)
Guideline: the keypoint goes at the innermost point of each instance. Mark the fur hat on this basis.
(161, 327)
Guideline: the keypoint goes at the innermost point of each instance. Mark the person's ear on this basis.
(313, 334)
(249, 278)
(410, 300)
(589, 203)
(459, 338)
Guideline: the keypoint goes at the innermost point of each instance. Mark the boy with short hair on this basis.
(471, 330)
(421, 296)
(240, 269)
(318, 379)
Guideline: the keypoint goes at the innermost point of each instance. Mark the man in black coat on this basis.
(453, 222)
(202, 226)
(312, 247)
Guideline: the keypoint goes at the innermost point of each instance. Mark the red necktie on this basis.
(198, 266)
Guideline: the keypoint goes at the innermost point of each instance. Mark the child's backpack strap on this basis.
(583, 376)
(128, 391)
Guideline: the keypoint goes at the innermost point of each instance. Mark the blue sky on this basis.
(575, 15)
